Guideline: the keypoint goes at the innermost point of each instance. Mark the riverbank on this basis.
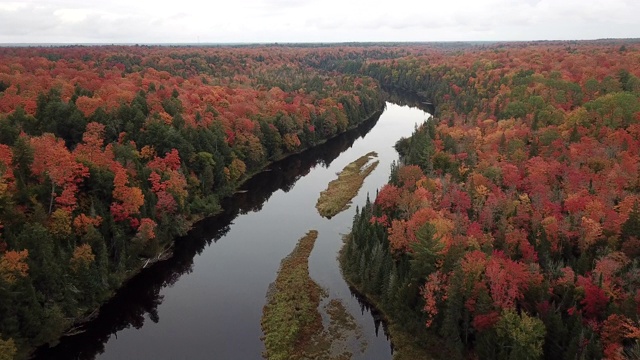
(407, 345)
(78, 325)
(220, 272)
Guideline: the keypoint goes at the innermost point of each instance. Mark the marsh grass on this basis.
(292, 319)
(339, 193)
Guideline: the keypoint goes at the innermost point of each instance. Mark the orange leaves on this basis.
(129, 199)
(147, 152)
(52, 158)
(6, 171)
(409, 175)
(88, 105)
(398, 237)
(614, 330)
(82, 257)
(91, 149)
(146, 231)
(82, 223)
(291, 141)
(592, 231)
(13, 265)
(433, 293)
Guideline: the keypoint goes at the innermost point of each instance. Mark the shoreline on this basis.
(76, 326)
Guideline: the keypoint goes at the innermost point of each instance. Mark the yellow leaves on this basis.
(8, 349)
(482, 191)
(463, 169)
(524, 198)
(60, 223)
(291, 141)
(3, 187)
(147, 152)
(429, 184)
(443, 226)
(13, 265)
(82, 257)
(236, 169)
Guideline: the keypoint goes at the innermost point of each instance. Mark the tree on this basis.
(13, 265)
(8, 349)
(520, 337)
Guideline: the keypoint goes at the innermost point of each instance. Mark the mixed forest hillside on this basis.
(511, 227)
(108, 153)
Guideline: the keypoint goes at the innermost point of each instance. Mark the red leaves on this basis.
(487, 321)
(388, 197)
(167, 182)
(595, 300)
(507, 279)
(53, 159)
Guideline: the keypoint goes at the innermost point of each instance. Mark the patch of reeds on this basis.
(338, 195)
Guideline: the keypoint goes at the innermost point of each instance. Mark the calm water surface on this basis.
(206, 302)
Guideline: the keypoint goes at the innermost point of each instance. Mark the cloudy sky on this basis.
(233, 21)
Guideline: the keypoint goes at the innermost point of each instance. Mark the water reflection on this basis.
(140, 297)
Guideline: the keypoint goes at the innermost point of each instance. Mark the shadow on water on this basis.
(140, 296)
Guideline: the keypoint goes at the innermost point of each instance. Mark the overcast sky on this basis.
(232, 21)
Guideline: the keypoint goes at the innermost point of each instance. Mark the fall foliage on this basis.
(529, 172)
(108, 153)
(511, 226)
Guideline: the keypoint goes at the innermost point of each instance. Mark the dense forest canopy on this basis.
(511, 227)
(108, 153)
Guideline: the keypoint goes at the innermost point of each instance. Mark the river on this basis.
(206, 301)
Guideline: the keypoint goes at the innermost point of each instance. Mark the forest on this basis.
(510, 228)
(107, 154)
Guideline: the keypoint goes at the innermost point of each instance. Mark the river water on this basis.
(206, 302)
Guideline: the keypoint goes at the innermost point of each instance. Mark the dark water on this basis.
(206, 302)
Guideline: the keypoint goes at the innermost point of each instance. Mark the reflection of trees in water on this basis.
(141, 295)
(284, 174)
(404, 98)
(376, 315)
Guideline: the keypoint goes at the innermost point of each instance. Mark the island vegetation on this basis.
(292, 321)
(291, 318)
(108, 153)
(339, 193)
(509, 229)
